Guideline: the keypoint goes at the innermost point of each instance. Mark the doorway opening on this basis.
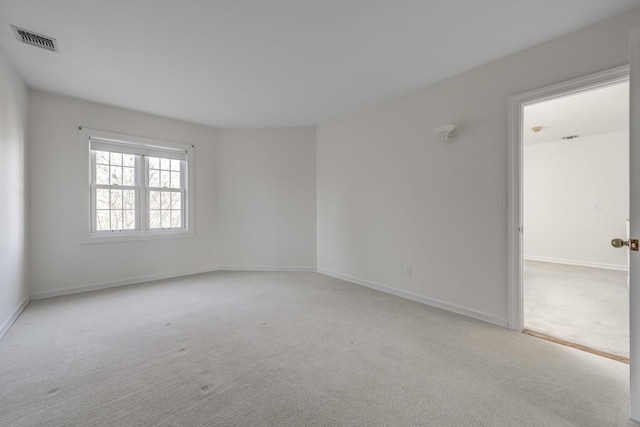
(575, 200)
(516, 149)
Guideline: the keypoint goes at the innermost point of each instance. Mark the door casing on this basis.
(516, 106)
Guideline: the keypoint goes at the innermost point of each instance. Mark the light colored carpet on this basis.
(288, 349)
(587, 306)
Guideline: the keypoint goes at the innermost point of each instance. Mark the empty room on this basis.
(297, 213)
(576, 199)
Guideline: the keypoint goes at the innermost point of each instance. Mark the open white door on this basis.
(634, 207)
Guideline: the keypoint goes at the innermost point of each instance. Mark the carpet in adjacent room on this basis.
(583, 305)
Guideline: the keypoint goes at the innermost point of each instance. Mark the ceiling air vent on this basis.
(35, 39)
(570, 137)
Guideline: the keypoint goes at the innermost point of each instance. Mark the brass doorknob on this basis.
(618, 243)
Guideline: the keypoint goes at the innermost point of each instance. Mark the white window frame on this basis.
(156, 148)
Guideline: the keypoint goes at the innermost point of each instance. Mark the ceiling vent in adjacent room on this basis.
(35, 39)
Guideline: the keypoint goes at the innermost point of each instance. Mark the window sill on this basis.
(135, 237)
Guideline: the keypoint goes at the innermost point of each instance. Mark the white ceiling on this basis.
(254, 63)
(588, 113)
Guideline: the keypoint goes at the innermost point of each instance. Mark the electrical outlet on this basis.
(503, 202)
(407, 269)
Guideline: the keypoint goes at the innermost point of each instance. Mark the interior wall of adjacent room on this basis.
(391, 193)
(564, 181)
(267, 197)
(57, 259)
(13, 149)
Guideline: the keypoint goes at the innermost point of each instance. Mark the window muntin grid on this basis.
(116, 185)
(114, 192)
(165, 193)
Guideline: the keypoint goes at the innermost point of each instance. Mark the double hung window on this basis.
(135, 187)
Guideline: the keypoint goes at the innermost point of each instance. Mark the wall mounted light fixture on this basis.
(446, 132)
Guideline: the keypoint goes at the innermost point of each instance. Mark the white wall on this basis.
(13, 147)
(57, 260)
(267, 198)
(563, 183)
(390, 193)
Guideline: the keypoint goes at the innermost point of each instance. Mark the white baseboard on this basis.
(403, 294)
(578, 263)
(136, 280)
(267, 268)
(114, 284)
(4, 328)
(421, 299)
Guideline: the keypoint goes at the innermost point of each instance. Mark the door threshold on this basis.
(577, 346)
